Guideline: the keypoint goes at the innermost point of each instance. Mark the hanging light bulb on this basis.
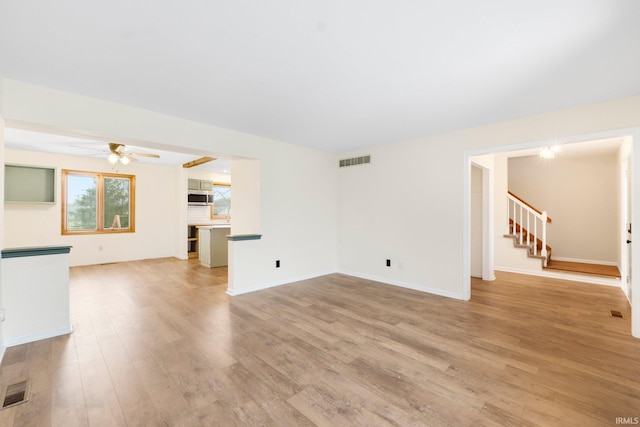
(124, 160)
(547, 153)
(112, 158)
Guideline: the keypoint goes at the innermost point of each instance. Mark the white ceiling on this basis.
(85, 147)
(332, 74)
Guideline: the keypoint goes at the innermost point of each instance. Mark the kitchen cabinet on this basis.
(213, 245)
(193, 184)
(192, 241)
(199, 184)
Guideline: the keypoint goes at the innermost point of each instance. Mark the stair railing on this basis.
(521, 215)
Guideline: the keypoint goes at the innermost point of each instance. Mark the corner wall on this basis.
(297, 189)
(409, 204)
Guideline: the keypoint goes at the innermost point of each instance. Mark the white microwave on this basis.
(200, 198)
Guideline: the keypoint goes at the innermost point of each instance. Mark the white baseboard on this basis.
(262, 286)
(565, 276)
(426, 289)
(583, 261)
(398, 283)
(11, 342)
(2, 350)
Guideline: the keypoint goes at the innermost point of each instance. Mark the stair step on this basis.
(529, 247)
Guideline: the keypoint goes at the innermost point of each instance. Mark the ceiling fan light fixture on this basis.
(124, 160)
(112, 158)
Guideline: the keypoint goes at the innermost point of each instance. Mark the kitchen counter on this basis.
(212, 245)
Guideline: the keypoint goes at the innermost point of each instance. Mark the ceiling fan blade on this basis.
(87, 147)
(153, 156)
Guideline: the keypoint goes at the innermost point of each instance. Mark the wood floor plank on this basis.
(158, 342)
(280, 412)
(584, 268)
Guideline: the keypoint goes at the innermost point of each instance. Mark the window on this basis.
(221, 208)
(95, 202)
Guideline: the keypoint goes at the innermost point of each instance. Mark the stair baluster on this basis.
(522, 214)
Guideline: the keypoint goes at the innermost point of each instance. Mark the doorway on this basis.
(485, 158)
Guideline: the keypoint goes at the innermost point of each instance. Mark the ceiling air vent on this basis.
(355, 161)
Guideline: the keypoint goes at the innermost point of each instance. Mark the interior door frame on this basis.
(487, 219)
(633, 264)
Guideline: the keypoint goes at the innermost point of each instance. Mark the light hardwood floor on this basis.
(584, 268)
(159, 342)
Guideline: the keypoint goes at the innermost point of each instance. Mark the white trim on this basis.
(466, 228)
(488, 251)
(2, 351)
(585, 261)
(487, 222)
(565, 276)
(263, 286)
(10, 342)
(635, 247)
(440, 292)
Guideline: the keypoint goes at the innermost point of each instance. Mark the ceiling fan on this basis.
(119, 152)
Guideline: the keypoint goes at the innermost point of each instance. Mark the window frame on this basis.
(99, 176)
(212, 207)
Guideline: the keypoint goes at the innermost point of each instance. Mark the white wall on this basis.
(409, 204)
(156, 213)
(579, 192)
(2, 221)
(476, 221)
(625, 214)
(297, 185)
(35, 293)
(245, 201)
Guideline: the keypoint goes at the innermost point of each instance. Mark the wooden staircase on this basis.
(529, 241)
(520, 213)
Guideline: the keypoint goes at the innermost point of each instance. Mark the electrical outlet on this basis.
(2, 315)
(277, 263)
(388, 263)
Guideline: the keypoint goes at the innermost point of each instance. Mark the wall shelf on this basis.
(29, 184)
